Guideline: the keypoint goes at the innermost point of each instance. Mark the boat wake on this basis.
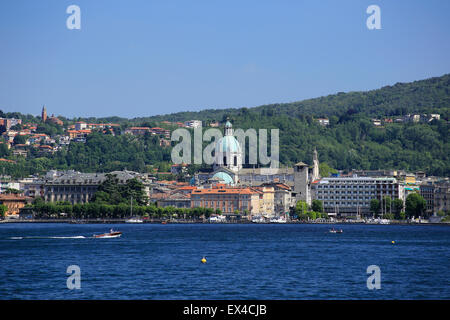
(37, 237)
(74, 237)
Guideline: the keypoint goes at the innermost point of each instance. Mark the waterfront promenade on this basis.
(206, 221)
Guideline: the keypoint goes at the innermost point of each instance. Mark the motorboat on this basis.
(110, 234)
(336, 231)
(258, 219)
(134, 220)
(277, 220)
(217, 219)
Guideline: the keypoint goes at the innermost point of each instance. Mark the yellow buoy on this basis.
(393, 241)
(203, 260)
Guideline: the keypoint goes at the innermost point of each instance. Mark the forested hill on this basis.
(350, 141)
(424, 96)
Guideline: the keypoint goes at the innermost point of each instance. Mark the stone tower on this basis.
(44, 114)
(301, 183)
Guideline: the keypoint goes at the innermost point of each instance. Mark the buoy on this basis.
(203, 260)
(393, 241)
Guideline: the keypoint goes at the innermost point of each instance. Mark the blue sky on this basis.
(141, 58)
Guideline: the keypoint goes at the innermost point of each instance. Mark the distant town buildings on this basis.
(52, 119)
(14, 202)
(193, 124)
(9, 122)
(227, 186)
(437, 195)
(227, 200)
(178, 168)
(77, 187)
(140, 131)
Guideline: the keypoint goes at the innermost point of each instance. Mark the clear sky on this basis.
(141, 58)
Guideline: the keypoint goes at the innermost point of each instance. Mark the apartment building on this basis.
(352, 196)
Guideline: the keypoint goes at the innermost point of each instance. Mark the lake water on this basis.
(244, 261)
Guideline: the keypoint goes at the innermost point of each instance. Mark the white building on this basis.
(323, 121)
(193, 123)
(352, 196)
(80, 125)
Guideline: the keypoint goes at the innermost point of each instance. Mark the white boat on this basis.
(258, 219)
(133, 219)
(217, 219)
(336, 231)
(110, 234)
(277, 220)
(378, 221)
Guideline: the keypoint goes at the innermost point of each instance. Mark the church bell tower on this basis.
(44, 114)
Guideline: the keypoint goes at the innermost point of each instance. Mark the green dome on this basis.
(228, 143)
(224, 176)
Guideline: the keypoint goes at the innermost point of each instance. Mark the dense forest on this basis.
(351, 141)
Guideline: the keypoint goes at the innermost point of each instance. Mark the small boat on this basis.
(258, 219)
(110, 234)
(217, 219)
(336, 231)
(277, 220)
(134, 220)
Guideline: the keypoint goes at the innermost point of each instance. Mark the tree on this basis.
(325, 170)
(385, 204)
(397, 207)
(375, 207)
(312, 215)
(135, 188)
(317, 206)
(415, 205)
(111, 192)
(301, 208)
(4, 151)
(3, 210)
(19, 139)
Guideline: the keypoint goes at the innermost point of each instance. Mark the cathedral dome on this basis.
(228, 152)
(228, 144)
(224, 177)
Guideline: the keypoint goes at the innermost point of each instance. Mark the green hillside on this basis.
(351, 141)
(424, 96)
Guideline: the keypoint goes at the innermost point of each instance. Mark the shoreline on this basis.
(123, 221)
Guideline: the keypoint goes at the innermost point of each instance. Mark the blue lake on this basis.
(244, 261)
